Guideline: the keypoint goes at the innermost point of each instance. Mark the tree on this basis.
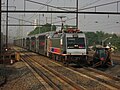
(96, 38)
(91, 38)
(45, 28)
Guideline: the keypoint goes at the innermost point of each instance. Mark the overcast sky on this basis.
(87, 22)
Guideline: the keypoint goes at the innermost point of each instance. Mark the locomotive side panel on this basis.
(55, 46)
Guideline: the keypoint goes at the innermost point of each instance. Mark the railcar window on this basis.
(75, 43)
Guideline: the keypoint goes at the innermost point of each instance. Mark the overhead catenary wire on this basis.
(90, 3)
(68, 19)
(100, 25)
(58, 7)
(20, 19)
(48, 5)
(94, 6)
(99, 5)
(49, 1)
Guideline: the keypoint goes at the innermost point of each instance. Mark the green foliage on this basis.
(91, 38)
(95, 38)
(45, 28)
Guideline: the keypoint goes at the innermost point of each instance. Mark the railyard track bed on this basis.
(19, 77)
(51, 77)
(85, 78)
(81, 77)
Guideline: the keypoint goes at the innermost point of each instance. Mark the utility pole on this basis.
(24, 7)
(51, 20)
(7, 27)
(76, 14)
(24, 15)
(46, 20)
(22, 28)
(39, 23)
(61, 17)
(0, 32)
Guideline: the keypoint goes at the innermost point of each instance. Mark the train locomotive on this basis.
(66, 46)
(69, 47)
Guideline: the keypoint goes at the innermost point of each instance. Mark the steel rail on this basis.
(106, 83)
(102, 73)
(61, 76)
(103, 82)
(41, 74)
(100, 79)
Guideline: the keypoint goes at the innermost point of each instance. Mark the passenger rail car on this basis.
(33, 43)
(28, 43)
(24, 43)
(42, 40)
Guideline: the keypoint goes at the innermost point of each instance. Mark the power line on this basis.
(19, 19)
(91, 3)
(41, 8)
(99, 5)
(47, 5)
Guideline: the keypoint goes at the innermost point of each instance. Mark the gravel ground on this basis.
(79, 79)
(19, 77)
(114, 71)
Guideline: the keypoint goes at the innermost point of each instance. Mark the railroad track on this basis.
(57, 67)
(87, 77)
(54, 79)
(100, 76)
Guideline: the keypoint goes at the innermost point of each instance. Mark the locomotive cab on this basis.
(76, 47)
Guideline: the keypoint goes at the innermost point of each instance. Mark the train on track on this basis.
(67, 46)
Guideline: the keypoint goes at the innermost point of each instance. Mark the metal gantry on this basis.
(77, 12)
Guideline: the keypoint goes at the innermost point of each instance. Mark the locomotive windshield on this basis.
(75, 42)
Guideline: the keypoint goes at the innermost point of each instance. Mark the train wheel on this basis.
(55, 57)
(50, 55)
(65, 62)
(91, 63)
